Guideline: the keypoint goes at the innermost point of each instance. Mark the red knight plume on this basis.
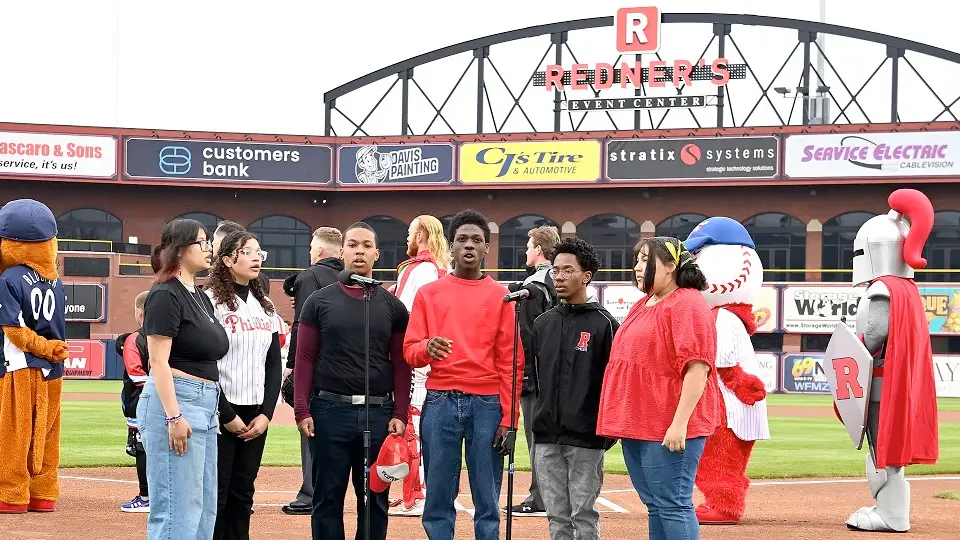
(919, 211)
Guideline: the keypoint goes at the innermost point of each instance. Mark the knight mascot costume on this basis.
(881, 375)
(33, 318)
(725, 252)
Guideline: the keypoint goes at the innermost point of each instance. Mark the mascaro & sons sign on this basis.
(47, 154)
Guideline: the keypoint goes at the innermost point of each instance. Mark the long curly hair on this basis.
(221, 280)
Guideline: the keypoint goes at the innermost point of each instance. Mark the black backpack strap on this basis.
(121, 339)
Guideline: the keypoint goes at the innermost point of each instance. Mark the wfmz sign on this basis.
(645, 102)
(85, 302)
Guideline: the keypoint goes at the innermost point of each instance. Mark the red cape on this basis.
(908, 427)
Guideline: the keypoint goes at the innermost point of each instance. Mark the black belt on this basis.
(354, 399)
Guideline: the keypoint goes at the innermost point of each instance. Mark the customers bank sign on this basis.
(226, 162)
(872, 155)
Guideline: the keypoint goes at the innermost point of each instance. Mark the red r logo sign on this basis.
(847, 371)
(584, 341)
(638, 30)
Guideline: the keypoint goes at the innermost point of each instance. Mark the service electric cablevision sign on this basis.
(227, 162)
(703, 158)
(849, 155)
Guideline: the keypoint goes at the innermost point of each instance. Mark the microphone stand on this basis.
(366, 410)
(511, 439)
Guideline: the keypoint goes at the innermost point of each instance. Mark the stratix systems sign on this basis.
(733, 158)
(227, 162)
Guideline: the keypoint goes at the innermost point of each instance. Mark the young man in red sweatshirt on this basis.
(461, 327)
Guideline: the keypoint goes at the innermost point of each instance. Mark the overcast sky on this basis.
(263, 67)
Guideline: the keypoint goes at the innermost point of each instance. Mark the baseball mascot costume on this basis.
(881, 375)
(32, 315)
(724, 251)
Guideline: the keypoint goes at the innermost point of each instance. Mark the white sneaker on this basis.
(415, 510)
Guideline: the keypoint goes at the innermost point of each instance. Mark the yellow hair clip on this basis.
(674, 252)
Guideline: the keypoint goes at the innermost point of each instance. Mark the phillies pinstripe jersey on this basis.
(734, 348)
(249, 331)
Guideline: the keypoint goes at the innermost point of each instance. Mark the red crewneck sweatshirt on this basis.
(471, 313)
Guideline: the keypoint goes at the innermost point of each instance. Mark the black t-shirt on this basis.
(339, 366)
(198, 340)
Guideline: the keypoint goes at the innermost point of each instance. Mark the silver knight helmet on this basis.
(891, 244)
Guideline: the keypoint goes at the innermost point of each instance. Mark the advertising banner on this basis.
(420, 164)
(766, 369)
(85, 302)
(873, 155)
(766, 309)
(946, 369)
(618, 299)
(87, 359)
(816, 309)
(47, 154)
(942, 306)
(531, 162)
(802, 373)
(227, 162)
(704, 158)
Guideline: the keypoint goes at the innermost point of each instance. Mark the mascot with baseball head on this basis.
(33, 319)
(881, 374)
(725, 252)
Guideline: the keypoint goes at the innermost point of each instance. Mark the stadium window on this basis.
(445, 221)
(286, 240)
(781, 242)
(208, 220)
(679, 226)
(100, 229)
(838, 235)
(814, 342)
(942, 249)
(513, 244)
(945, 344)
(614, 237)
(767, 342)
(392, 243)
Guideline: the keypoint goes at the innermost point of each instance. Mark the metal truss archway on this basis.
(820, 103)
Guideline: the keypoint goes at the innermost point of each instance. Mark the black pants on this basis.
(338, 455)
(238, 463)
(135, 449)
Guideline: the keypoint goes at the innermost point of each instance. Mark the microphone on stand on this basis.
(349, 278)
(516, 295)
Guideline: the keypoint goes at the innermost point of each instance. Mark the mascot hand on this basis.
(748, 388)
(27, 340)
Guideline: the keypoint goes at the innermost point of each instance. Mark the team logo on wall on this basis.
(395, 164)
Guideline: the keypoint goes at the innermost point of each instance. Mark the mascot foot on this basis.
(709, 516)
(867, 519)
(40, 505)
(12, 508)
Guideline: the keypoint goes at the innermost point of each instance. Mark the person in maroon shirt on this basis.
(660, 396)
(329, 384)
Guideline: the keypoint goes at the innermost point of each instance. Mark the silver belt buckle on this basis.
(356, 400)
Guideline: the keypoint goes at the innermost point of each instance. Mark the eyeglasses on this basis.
(249, 253)
(205, 245)
(565, 273)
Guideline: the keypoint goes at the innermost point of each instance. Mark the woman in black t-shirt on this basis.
(179, 399)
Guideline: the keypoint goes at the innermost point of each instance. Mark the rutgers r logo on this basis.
(638, 30)
(584, 341)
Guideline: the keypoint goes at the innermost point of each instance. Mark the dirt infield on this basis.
(789, 510)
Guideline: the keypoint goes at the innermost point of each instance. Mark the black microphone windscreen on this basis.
(344, 277)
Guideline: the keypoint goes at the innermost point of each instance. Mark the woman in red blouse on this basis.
(660, 395)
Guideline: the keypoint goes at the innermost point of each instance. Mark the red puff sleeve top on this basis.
(643, 380)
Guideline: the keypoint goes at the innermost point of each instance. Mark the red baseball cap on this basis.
(392, 464)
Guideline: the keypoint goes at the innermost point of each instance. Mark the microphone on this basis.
(517, 295)
(349, 278)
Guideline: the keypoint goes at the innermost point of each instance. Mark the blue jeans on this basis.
(450, 419)
(664, 481)
(337, 452)
(183, 489)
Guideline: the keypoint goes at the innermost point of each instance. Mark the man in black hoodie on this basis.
(325, 269)
(571, 347)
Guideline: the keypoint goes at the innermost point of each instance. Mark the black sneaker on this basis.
(526, 509)
(296, 509)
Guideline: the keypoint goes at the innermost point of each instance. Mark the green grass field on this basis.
(94, 434)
